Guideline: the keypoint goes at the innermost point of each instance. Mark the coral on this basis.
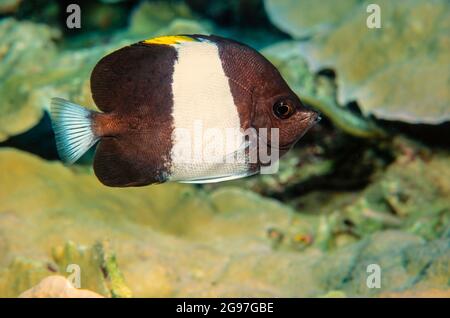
(57, 287)
(353, 193)
(317, 91)
(177, 240)
(392, 72)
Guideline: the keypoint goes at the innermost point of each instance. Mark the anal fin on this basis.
(122, 162)
(220, 179)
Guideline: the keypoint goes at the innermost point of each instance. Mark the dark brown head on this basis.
(263, 97)
(276, 106)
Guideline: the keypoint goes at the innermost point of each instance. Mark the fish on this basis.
(184, 108)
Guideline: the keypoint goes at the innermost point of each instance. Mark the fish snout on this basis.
(310, 115)
(315, 117)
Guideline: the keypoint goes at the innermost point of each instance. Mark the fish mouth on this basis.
(312, 116)
(317, 117)
(310, 119)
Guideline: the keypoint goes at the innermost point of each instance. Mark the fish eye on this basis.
(283, 109)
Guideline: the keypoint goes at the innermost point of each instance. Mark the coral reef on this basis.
(374, 66)
(175, 240)
(359, 189)
(57, 287)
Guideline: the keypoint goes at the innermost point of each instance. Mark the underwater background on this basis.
(368, 185)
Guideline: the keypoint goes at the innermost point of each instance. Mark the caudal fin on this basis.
(72, 125)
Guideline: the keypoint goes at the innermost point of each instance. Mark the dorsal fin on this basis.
(170, 40)
(133, 77)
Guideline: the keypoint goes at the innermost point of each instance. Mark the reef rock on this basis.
(57, 287)
(25, 50)
(178, 240)
(316, 90)
(397, 72)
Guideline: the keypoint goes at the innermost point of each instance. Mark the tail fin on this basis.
(72, 124)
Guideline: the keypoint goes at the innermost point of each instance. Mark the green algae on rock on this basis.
(25, 50)
(407, 262)
(397, 72)
(21, 273)
(154, 17)
(400, 199)
(178, 240)
(305, 18)
(99, 266)
(165, 236)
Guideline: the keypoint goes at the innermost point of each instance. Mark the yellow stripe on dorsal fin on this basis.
(169, 40)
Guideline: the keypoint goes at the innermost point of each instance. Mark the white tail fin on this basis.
(72, 124)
